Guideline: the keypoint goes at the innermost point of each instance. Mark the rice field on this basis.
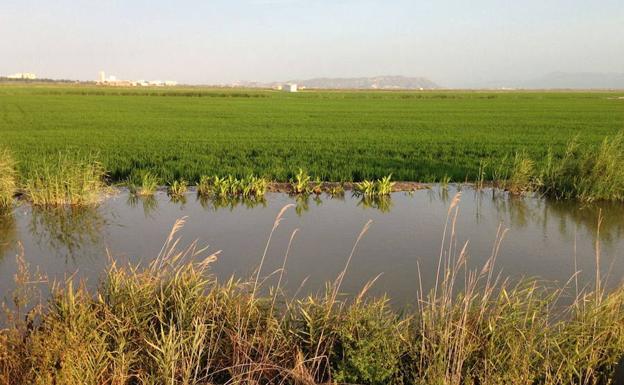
(184, 133)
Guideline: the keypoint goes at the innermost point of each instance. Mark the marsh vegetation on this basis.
(173, 321)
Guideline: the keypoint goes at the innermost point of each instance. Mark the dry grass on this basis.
(8, 179)
(66, 180)
(172, 322)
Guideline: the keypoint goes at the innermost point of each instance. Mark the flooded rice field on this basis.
(546, 239)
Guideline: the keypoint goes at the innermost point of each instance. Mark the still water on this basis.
(545, 239)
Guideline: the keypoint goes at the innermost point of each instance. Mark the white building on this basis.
(289, 87)
(23, 75)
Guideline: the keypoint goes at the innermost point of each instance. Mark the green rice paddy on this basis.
(183, 133)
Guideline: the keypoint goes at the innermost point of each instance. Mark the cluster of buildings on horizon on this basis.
(22, 76)
(113, 81)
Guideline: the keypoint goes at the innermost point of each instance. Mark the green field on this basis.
(187, 132)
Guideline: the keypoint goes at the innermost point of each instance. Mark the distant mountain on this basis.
(364, 83)
(377, 82)
(580, 80)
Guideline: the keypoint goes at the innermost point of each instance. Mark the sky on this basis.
(454, 43)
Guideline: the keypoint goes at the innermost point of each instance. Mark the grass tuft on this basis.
(66, 180)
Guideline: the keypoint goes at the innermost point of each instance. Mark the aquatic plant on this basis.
(204, 186)
(301, 183)
(66, 179)
(336, 190)
(149, 184)
(384, 186)
(250, 186)
(8, 179)
(377, 188)
(177, 189)
(220, 186)
(366, 188)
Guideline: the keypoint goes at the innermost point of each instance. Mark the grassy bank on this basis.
(585, 173)
(336, 136)
(172, 322)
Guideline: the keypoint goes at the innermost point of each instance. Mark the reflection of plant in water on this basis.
(231, 202)
(68, 228)
(181, 199)
(336, 191)
(8, 231)
(302, 203)
(382, 203)
(149, 202)
(586, 216)
(568, 215)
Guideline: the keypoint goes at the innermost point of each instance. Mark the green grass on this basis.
(145, 186)
(172, 322)
(184, 133)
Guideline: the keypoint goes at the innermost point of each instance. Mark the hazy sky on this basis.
(454, 43)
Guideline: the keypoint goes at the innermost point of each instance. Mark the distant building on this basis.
(112, 80)
(23, 75)
(289, 87)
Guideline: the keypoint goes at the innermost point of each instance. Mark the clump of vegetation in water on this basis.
(249, 187)
(380, 187)
(174, 322)
(301, 183)
(8, 179)
(336, 190)
(147, 186)
(177, 188)
(522, 176)
(66, 180)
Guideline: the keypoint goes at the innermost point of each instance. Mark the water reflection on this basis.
(148, 202)
(8, 231)
(404, 238)
(230, 203)
(381, 203)
(67, 230)
(569, 217)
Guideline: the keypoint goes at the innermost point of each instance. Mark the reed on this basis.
(66, 180)
(173, 322)
(583, 172)
(587, 173)
(8, 179)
